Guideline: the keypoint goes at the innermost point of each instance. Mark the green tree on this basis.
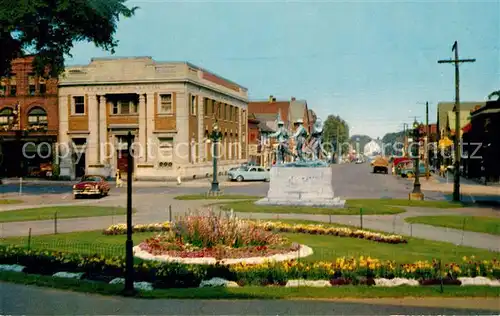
(494, 94)
(336, 131)
(48, 29)
(390, 139)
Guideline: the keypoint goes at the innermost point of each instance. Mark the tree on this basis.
(390, 142)
(336, 130)
(494, 94)
(48, 29)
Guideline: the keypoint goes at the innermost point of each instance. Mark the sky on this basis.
(374, 63)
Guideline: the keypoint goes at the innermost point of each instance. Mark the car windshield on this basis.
(91, 179)
(243, 169)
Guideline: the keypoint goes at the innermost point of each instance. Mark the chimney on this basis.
(293, 99)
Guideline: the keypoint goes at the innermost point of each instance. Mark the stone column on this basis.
(201, 130)
(142, 128)
(66, 167)
(151, 150)
(92, 154)
(103, 130)
(240, 132)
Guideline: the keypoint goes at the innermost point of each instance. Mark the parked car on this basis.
(91, 185)
(249, 174)
(409, 171)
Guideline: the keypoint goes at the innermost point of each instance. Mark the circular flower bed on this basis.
(212, 238)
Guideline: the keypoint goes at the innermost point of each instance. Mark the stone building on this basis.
(169, 107)
(28, 121)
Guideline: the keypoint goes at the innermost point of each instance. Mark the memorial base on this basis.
(301, 186)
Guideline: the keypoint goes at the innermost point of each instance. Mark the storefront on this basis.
(25, 154)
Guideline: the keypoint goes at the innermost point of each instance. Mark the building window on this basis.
(193, 104)
(125, 107)
(79, 105)
(37, 116)
(231, 113)
(6, 117)
(42, 86)
(13, 86)
(3, 87)
(225, 111)
(205, 106)
(166, 106)
(31, 85)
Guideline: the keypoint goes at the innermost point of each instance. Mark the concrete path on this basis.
(30, 300)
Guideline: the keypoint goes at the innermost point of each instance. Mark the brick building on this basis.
(28, 121)
(169, 107)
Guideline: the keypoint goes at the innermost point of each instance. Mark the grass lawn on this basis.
(6, 201)
(480, 224)
(325, 247)
(190, 197)
(48, 213)
(259, 292)
(353, 207)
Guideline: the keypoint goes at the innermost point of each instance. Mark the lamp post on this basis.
(417, 194)
(215, 137)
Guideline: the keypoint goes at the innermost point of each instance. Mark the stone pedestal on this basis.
(301, 186)
(416, 196)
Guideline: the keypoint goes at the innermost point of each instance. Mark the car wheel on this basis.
(239, 178)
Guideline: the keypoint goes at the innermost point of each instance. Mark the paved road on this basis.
(29, 300)
(351, 181)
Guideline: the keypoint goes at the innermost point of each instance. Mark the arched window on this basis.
(37, 116)
(6, 116)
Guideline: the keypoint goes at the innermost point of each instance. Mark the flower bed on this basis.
(314, 229)
(342, 271)
(208, 238)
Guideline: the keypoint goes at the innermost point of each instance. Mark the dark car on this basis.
(91, 186)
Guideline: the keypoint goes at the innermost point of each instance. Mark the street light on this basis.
(215, 136)
(417, 194)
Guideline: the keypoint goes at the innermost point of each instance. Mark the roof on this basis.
(445, 107)
(268, 120)
(264, 128)
(266, 107)
(488, 108)
(297, 110)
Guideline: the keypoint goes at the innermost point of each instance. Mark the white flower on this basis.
(218, 282)
(309, 283)
(68, 275)
(479, 281)
(11, 267)
(142, 286)
(395, 282)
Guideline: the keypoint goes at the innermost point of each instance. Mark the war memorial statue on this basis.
(282, 136)
(316, 143)
(302, 182)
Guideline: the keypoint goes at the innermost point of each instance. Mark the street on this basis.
(350, 181)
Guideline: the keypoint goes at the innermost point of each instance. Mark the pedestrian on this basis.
(118, 176)
(179, 175)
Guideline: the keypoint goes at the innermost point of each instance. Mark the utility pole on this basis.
(338, 142)
(426, 152)
(456, 61)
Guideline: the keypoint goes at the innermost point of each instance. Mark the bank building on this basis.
(170, 108)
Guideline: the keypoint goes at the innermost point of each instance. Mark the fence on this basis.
(74, 246)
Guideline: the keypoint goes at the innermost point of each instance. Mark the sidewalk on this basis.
(466, 188)
(150, 213)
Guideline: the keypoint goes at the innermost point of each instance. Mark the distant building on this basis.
(372, 148)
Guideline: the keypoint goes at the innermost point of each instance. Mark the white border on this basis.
(303, 251)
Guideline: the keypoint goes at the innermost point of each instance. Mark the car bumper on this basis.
(86, 192)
